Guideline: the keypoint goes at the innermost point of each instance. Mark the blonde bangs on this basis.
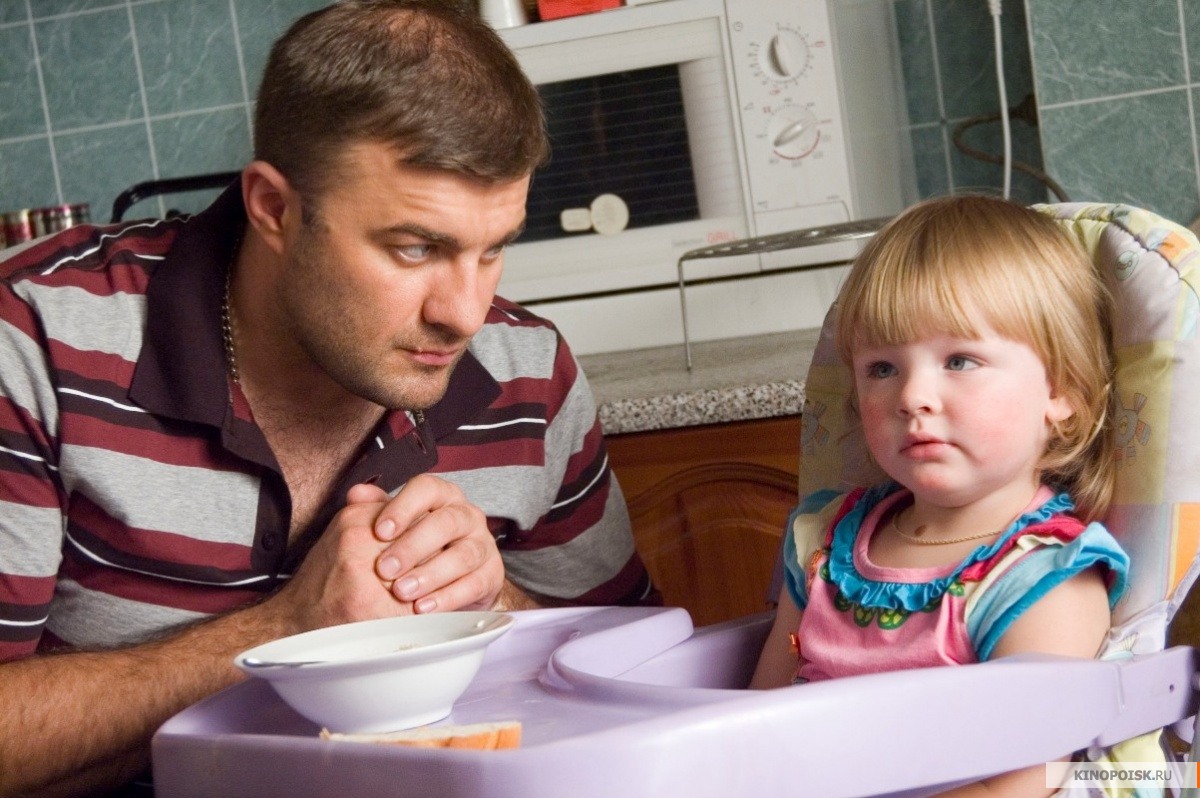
(958, 273)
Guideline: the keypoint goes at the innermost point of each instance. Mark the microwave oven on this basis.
(680, 124)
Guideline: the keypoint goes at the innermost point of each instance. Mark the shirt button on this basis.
(270, 541)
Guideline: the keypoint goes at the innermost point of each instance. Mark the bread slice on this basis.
(479, 736)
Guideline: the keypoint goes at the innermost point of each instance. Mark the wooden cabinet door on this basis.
(708, 506)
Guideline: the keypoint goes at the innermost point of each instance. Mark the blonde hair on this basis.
(957, 265)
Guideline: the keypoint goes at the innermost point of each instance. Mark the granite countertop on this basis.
(733, 380)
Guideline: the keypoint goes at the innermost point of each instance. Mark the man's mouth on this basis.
(435, 357)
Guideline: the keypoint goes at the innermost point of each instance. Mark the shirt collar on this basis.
(181, 371)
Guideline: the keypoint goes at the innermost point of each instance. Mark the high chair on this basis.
(1152, 268)
(637, 701)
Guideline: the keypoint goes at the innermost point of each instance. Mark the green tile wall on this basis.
(1117, 86)
(948, 61)
(101, 94)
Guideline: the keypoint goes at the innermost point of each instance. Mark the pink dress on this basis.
(860, 617)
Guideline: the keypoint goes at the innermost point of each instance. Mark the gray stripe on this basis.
(569, 428)
(522, 493)
(584, 563)
(21, 523)
(23, 377)
(215, 506)
(87, 322)
(512, 352)
(89, 619)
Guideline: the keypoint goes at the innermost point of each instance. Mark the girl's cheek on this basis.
(871, 407)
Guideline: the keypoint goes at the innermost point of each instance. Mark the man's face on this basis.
(386, 285)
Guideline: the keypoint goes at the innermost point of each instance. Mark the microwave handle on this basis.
(776, 242)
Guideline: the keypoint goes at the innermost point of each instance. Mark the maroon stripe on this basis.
(31, 489)
(92, 366)
(152, 444)
(33, 592)
(18, 649)
(526, 397)
(566, 374)
(473, 455)
(157, 591)
(521, 398)
(151, 548)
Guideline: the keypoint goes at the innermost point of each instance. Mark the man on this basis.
(223, 430)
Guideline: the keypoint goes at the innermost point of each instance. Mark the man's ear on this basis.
(272, 206)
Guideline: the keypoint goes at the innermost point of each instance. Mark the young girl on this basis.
(978, 336)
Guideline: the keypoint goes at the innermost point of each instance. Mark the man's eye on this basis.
(880, 370)
(960, 363)
(414, 252)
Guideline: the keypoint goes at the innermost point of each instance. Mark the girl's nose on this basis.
(918, 395)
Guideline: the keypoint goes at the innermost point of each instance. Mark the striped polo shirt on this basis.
(137, 493)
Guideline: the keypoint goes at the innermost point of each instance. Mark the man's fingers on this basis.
(423, 494)
(462, 577)
(364, 493)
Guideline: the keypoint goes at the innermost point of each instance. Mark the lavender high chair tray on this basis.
(633, 700)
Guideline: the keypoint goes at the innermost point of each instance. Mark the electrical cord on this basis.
(1026, 112)
(994, 8)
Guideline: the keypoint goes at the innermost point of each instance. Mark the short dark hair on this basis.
(429, 77)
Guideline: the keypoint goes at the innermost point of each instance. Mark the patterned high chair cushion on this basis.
(1152, 266)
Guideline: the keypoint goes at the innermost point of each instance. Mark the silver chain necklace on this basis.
(418, 416)
(227, 327)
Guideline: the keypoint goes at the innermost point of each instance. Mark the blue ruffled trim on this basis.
(906, 595)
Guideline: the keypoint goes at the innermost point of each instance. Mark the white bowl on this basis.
(377, 676)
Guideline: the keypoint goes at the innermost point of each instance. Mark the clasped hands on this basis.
(426, 549)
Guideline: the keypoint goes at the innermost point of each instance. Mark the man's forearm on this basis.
(85, 719)
(513, 598)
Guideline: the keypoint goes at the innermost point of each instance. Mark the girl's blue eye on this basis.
(960, 363)
(880, 369)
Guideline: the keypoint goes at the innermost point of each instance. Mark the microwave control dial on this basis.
(793, 132)
(785, 56)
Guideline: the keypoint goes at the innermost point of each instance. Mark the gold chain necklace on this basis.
(915, 536)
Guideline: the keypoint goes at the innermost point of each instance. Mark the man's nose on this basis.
(458, 300)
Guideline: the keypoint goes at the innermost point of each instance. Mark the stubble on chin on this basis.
(416, 387)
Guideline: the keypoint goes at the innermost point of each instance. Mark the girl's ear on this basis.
(1059, 409)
